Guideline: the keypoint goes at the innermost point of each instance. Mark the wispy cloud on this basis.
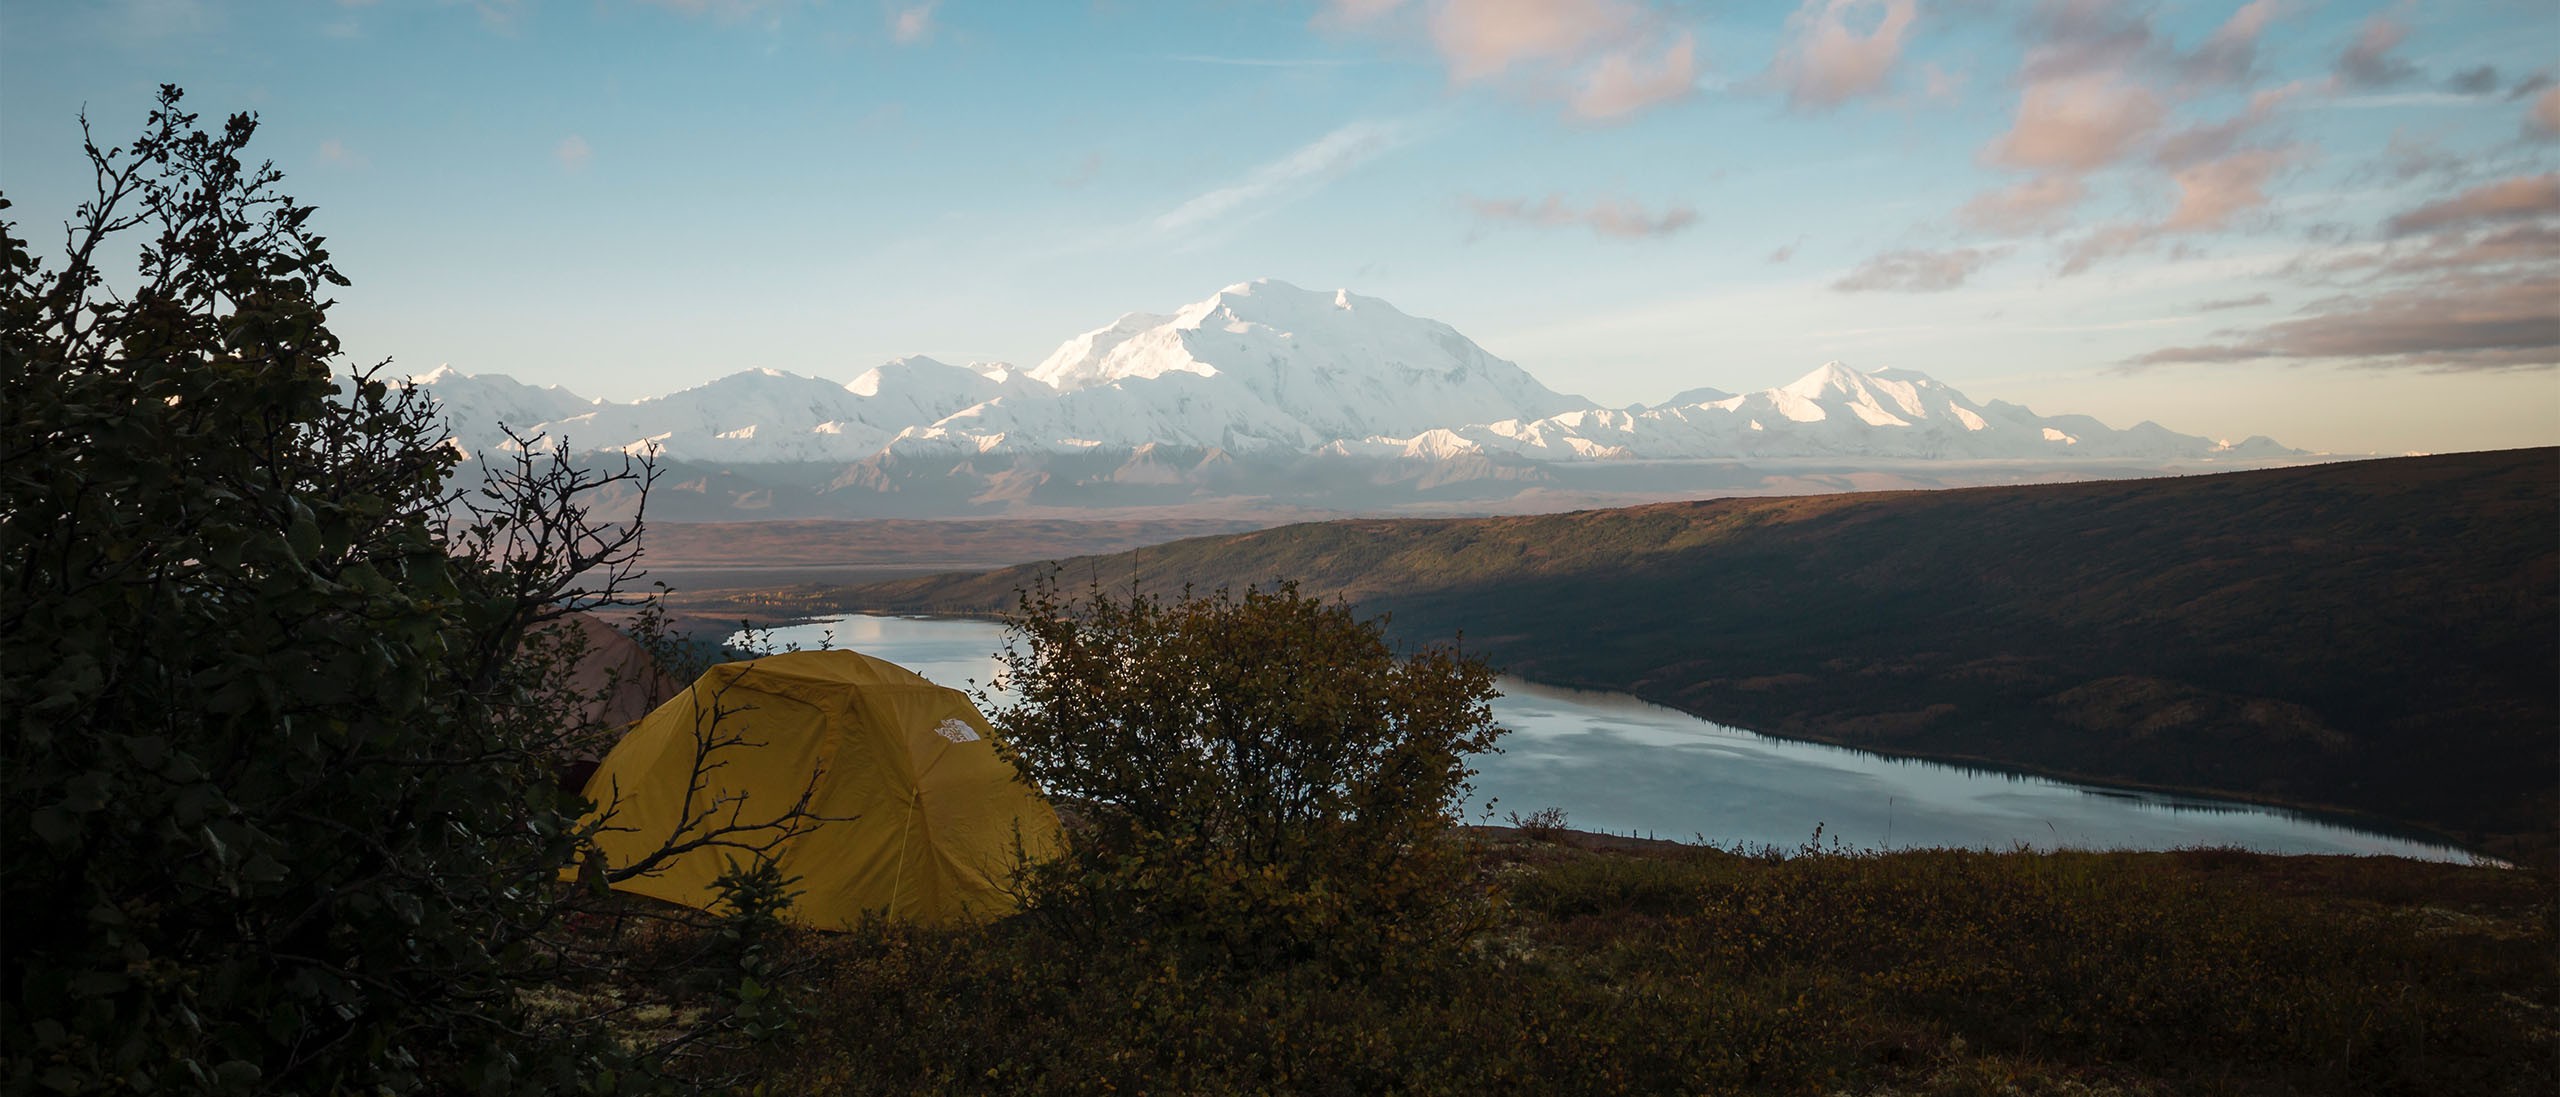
(2462, 325)
(2226, 304)
(1916, 271)
(2211, 193)
(1614, 218)
(2543, 119)
(335, 152)
(573, 153)
(1308, 166)
(1826, 62)
(2527, 196)
(2077, 124)
(1605, 60)
(2039, 203)
(913, 25)
(2367, 62)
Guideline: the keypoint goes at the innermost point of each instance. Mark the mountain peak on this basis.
(1833, 376)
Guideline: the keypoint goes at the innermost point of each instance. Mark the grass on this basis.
(1685, 969)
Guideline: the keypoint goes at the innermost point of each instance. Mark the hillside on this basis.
(2377, 636)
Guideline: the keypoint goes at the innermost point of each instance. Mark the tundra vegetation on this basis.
(280, 721)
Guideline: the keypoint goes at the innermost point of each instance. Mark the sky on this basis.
(2334, 223)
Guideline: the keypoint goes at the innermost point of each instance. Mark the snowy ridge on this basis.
(1267, 369)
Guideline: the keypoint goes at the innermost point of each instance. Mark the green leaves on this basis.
(268, 774)
(1262, 773)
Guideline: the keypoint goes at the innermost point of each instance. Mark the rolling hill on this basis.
(2377, 636)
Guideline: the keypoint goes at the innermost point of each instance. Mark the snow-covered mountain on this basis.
(1267, 370)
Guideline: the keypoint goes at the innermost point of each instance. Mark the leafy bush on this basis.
(280, 708)
(1260, 774)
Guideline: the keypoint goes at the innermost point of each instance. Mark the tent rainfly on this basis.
(922, 819)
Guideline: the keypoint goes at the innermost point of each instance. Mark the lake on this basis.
(1613, 763)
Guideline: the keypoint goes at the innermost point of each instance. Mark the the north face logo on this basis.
(956, 730)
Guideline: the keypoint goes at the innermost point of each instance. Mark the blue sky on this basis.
(2335, 223)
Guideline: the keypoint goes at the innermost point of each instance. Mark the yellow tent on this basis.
(923, 814)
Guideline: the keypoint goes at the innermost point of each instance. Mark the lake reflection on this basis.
(1618, 764)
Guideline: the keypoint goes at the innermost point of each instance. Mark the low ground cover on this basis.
(1685, 969)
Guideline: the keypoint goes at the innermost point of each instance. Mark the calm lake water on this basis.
(1614, 763)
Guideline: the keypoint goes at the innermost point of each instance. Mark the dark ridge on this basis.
(2376, 636)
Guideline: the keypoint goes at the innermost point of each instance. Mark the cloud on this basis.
(1482, 38)
(573, 152)
(2214, 140)
(1916, 271)
(2513, 247)
(2225, 304)
(2476, 81)
(2107, 243)
(2038, 203)
(1783, 253)
(1614, 218)
(1316, 161)
(2543, 119)
(913, 26)
(2232, 52)
(334, 151)
(2368, 62)
(2463, 324)
(2530, 85)
(1826, 62)
(2077, 124)
(1621, 84)
(1603, 59)
(1353, 13)
(2525, 196)
(2211, 193)
(2079, 38)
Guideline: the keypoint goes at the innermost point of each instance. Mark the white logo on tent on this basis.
(957, 730)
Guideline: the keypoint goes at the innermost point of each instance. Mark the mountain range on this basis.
(1261, 386)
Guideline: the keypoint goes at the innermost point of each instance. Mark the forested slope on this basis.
(2379, 635)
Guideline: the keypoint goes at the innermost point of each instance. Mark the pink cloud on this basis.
(1623, 83)
(1482, 38)
(2544, 119)
(2211, 193)
(2077, 124)
(2232, 51)
(2525, 196)
(2107, 243)
(2038, 203)
(1825, 62)
(1603, 59)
